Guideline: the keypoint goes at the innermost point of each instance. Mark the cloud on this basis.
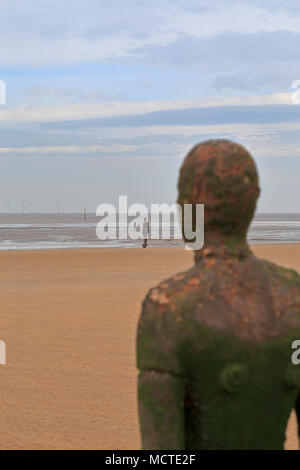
(264, 140)
(42, 94)
(81, 111)
(245, 46)
(75, 63)
(53, 32)
(189, 117)
(67, 149)
(261, 60)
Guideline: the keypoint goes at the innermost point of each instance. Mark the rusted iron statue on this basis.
(214, 343)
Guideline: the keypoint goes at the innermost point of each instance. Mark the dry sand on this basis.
(69, 318)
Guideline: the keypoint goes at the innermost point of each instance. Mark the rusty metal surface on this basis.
(222, 329)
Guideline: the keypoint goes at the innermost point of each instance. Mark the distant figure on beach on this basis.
(214, 343)
(145, 232)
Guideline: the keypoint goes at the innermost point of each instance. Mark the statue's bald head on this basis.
(223, 176)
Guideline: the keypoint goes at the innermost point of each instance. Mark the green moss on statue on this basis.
(214, 343)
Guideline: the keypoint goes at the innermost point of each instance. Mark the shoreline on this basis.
(120, 247)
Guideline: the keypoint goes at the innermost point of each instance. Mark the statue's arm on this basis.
(161, 382)
(161, 410)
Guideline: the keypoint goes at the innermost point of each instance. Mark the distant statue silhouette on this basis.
(145, 232)
(214, 343)
(2, 352)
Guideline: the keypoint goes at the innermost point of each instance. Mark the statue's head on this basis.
(221, 175)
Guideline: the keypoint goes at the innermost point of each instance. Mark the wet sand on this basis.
(69, 318)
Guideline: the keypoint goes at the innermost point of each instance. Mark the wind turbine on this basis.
(57, 206)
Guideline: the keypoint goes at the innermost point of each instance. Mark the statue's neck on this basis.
(218, 246)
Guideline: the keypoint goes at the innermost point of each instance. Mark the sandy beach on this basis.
(69, 318)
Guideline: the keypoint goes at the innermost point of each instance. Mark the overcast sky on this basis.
(105, 97)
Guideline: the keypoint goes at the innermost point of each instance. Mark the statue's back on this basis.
(214, 350)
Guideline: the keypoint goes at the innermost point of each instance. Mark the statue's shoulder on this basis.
(281, 275)
(158, 328)
(285, 285)
(164, 297)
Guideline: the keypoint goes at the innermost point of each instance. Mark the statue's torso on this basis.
(226, 326)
